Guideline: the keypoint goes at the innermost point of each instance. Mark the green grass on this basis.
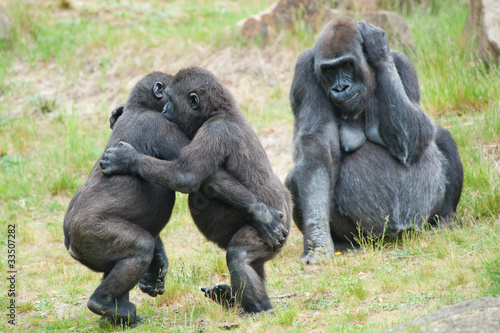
(451, 81)
(67, 68)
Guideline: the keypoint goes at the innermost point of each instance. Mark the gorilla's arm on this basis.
(403, 126)
(187, 175)
(225, 188)
(316, 157)
(265, 219)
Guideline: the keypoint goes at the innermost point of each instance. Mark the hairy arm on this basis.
(199, 160)
(403, 125)
(198, 167)
(316, 155)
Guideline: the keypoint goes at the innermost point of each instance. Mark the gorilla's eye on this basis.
(347, 65)
(194, 101)
(158, 90)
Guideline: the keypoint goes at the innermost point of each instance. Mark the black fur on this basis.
(221, 138)
(112, 225)
(365, 153)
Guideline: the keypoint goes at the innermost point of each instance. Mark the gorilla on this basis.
(112, 225)
(206, 112)
(367, 159)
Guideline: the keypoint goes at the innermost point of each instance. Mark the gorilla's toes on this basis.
(220, 293)
(152, 284)
(147, 289)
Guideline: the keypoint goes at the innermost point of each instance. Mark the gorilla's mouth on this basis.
(350, 99)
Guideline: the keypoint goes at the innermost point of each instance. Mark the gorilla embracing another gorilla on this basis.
(205, 111)
(367, 159)
(112, 224)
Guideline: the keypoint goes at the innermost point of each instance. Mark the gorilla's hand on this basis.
(115, 114)
(375, 44)
(269, 224)
(119, 160)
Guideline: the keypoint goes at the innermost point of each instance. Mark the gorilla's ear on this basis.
(194, 101)
(158, 90)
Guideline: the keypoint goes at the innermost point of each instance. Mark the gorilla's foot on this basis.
(121, 312)
(220, 293)
(152, 284)
(112, 322)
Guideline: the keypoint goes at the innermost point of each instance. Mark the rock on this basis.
(253, 27)
(398, 32)
(284, 14)
(476, 316)
(4, 26)
(483, 28)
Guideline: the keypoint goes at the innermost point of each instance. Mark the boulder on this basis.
(476, 316)
(285, 14)
(483, 28)
(398, 32)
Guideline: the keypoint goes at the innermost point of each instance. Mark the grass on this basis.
(68, 67)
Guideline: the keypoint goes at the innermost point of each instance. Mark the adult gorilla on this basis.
(367, 157)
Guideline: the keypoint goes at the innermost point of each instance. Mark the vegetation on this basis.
(71, 62)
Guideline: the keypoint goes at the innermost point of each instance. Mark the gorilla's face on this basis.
(183, 109)
(342, 69)
(192, 98)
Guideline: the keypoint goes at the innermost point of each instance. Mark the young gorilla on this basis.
(112, 225)
(366, 156)
(207, 113)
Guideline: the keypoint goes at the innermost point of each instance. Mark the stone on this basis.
(483, 28)
(284, 14)
(398, 32)
(476, 316)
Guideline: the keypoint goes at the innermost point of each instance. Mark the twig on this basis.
(286, 295)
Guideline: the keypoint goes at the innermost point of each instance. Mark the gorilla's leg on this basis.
(384, 197)
(454, 174)
(131, 249)
(265, 219)
(246, 255)
(344, 231)
(153, 281)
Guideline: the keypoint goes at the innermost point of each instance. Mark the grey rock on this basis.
(285, 14)
(476, 316)
(483, 28)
